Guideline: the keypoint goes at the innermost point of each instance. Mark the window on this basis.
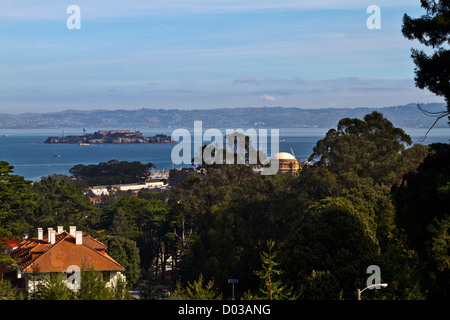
(106, 276)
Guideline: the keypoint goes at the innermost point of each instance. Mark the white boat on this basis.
(84, 144)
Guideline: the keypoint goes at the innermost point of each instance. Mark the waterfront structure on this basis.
(135, 187)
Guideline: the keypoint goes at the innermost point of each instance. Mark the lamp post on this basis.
(382, 285)
(233, 281)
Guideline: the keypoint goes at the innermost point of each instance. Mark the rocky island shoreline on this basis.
(111, 136)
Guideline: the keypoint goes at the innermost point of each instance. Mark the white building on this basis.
(104, 190)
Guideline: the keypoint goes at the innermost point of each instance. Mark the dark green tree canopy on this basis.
(333, 237)
(125, 252)
(61, 201)
(433, 28)
(371, 147)
(112, 172)
(16, 201)
(423, 212)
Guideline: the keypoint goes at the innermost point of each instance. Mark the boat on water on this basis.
(83, 144)
(57, 156)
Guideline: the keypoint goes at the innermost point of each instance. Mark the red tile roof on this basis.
(13, 243)
(39, 255)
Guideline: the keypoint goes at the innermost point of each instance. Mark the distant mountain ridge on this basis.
(406, 116)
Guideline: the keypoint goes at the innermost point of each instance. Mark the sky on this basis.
(204, 54)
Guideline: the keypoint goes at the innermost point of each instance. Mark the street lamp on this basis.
(382, 285)
(233, 281)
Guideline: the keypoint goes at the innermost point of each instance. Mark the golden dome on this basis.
(287, 163)
(283, 156)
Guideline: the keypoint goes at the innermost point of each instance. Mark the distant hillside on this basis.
(408, 116)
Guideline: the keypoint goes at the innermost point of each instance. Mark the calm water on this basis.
(33, 159)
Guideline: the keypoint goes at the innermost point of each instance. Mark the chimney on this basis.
(78, 238)
(60, 229)
(49, 231)
(52, 236)
(72, 230)
(40, 234)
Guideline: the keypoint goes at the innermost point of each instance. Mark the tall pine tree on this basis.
(433, 30)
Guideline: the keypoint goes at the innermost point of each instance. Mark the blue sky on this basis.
(197, 54)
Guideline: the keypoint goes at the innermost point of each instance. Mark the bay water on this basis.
(32, 158)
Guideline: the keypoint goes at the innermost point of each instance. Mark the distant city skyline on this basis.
(204, 54)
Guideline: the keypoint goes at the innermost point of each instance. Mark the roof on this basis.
(39, 255)
(13, 243)
(283, 156)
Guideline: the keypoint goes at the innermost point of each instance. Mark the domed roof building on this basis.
(287, 163)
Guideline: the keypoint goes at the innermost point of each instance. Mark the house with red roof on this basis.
(96, 199)
(64, 253)
(9, 245)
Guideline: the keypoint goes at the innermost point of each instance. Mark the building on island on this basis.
(110, 136)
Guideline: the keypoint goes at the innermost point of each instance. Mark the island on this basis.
(111, 136)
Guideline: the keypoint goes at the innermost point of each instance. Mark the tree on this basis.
(371, 147)
(176, 176)
(53, 288)
(8, 292)
(331, 236)
(432, 30)
(112, 172)
(119, 225)
(119, 290)
(125, 252)
(93, 287)
(272, 289)
(62, 201)
(17, 202)
(225, 220)
(226, 215)
(196, 291)
(321, 285)
(422, 212)
(146, 222)
(239, 150)
(402, 270)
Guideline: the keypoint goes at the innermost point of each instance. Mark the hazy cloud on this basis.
(266, 97)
